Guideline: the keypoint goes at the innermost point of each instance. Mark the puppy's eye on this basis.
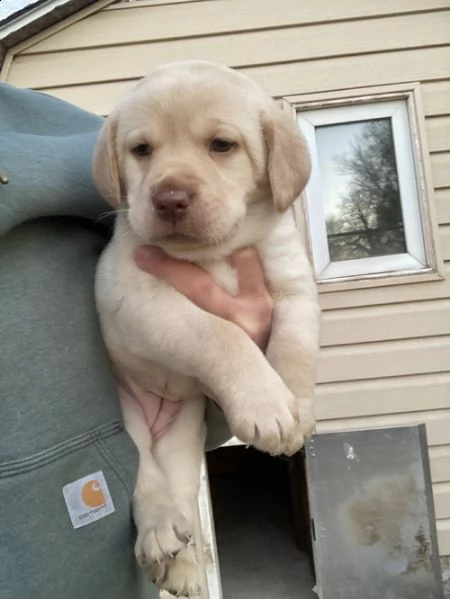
(221, 145)
(142, 150)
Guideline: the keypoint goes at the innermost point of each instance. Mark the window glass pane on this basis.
(361, 192)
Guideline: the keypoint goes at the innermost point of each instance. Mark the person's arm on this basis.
(251, 309)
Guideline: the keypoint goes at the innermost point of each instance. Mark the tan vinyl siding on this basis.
(438, 131)
(220, 17)
(436, 98)
(383, 396)
(386, 323)
(443, 530)
(440, 166)
(442, 197)
(238, 50)
(94, 87)
(445, 241)
(441, 500)
(440, 463)
(385, 358)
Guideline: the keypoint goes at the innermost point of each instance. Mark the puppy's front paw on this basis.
(269, 422)
(179, 576)
(307, 417)
(163, 534)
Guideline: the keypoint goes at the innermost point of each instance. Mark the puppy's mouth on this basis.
(180, 241)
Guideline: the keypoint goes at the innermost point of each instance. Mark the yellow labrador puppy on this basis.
(202, 162)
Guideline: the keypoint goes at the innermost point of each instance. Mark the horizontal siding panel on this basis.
(390, 294)
(236, 50)
(437, 424)
(140, 24)
(296, 78)
(441, 493)
(413, 393)
(380, 323)
(442, 199)
(440, 169)
(355, 71)
(444, 235)
(438, 133)
(440, 463)
(436, 98)
(385, 359)
(443, 533)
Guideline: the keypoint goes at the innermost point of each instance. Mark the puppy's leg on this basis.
(260, 408)
(293, 351)
(179, 454)
(163, 531)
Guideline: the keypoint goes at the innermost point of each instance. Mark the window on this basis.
(365, 199)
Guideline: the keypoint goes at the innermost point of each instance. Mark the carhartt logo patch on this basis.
(88, 499)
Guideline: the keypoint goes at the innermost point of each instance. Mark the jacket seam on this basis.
(54, 453)
(108, 456)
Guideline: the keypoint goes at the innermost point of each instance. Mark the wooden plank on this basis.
(440, 463)
(436, 98)
(389, 294)
(383, 323)
(136, 24)
(443, 532)
(384, 359)
(236, 50)
(355, 399)
(440, 169)
(437, 424)
(295, 78)
(441, 493)
(442, 199)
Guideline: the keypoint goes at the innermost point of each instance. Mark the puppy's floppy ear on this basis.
(105, 166)
(289, 164)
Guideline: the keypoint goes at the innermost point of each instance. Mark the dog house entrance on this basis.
(256, 527)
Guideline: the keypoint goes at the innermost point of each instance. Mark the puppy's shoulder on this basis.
(283, 254)
(119, 280)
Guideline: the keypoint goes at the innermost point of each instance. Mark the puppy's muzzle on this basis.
(171, 204)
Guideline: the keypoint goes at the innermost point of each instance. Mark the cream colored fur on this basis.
(158, 338)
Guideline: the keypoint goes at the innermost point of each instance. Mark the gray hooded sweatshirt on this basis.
(60, 420)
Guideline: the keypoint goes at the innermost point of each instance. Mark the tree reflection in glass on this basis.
(362, 199)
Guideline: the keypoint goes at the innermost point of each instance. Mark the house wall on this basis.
(385, 356)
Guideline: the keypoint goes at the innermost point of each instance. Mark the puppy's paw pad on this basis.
(165, 534)
(274, 428)
(179, 576)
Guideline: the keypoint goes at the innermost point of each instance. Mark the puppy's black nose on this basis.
(171, 204)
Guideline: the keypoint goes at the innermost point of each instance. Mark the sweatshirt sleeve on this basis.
(46, 150)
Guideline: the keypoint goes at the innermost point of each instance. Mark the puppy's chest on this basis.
(224, 274)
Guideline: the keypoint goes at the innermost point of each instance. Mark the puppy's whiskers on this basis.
(113, 212)
(216, 242)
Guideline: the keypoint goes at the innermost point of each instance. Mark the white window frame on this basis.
(419, 255)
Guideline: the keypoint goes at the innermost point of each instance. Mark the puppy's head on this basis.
(191, 148)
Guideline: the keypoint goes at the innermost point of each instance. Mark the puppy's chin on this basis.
(181, 245)
(178, 242)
